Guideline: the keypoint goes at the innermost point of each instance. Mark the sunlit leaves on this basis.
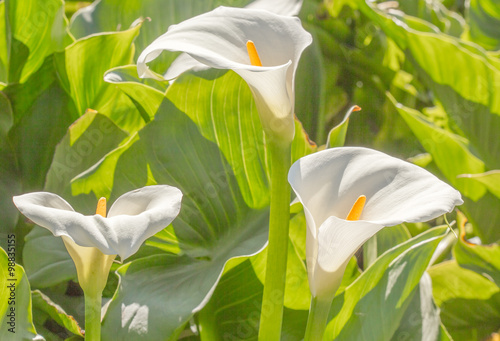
(35, 30)
(15, 307)
(455, 288)
(390, 290)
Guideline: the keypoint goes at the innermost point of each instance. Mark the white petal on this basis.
(138, 215)
(185, 62)
(55, 214)
(133, 218)
(182, 64)
(282, 7)
(218, 39)
(329, 182)
(338, 240)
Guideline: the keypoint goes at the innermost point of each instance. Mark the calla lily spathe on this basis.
(185, 62)
(329, 182)
(134, 217)
(219, 39)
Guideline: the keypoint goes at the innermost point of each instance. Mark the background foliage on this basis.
(76, 120)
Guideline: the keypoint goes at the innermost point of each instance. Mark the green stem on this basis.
(93, 317)
(271, 314)
(318, 316)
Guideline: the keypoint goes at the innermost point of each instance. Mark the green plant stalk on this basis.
(93, 316)
(271, 314)
(318, 316)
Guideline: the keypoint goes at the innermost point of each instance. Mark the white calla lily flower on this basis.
(222, 39)
(281, 7)
(351, 193)
(185, 62)
(134, 217)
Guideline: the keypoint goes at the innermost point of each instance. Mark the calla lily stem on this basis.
(93, 316)
(318, 316)
(272, 302)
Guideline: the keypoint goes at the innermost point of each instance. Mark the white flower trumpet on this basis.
(229, 38)
(94, 241)
(349, 194)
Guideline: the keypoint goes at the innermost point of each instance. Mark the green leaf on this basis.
(469, 96)
(489, 179)
(421, 320)
(209, 232)
(384, 240)
(210, 152)
(9, 177)
(46, 260)
(449, 151)
(225, 113)
(388, 286)
(104, 16)
(82, 66)
(147, 94)
(15, 306)
(233, 312)
(42, 112)
(36, 29)
(336, 136)
(311, 100)
(436, 13)
(4, 47)
(455, 288)
(86, 142)
(483, 18)
(42, 304)
(483, 259)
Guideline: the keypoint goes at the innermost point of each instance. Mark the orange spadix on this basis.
(101, 207)
(252, 53)
(357, 208)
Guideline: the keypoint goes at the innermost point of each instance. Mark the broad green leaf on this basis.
(42, 304)
(455, 288)
(42, 112)
(15, 306)
(449, 151)
(387, 286)
(190, 151)
(9, 177)
(384, 240)
(436, 13)
(466, 85)
(336, 137)
(147, 94)
(311, 100)
(489, 179)
(82, 66)
(233, 312)
(4, 47)
(225, 113)
(34, 30)
(46, 260)
(483, 18)
(483, 259)
(103, 16)
(214, 225)
(87, 140)
(421, 320)
(6, 115)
